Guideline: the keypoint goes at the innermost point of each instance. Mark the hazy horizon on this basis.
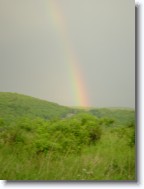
(71, 52)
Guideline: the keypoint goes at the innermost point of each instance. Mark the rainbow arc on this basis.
(75, 74)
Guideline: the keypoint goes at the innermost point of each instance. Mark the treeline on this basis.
(69, 135)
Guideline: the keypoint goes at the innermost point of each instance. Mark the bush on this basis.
(70, 134)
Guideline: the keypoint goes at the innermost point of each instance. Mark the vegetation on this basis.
(13, 105)
(121, 116)
(73, 145)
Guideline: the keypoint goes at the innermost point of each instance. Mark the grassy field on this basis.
(98, 144)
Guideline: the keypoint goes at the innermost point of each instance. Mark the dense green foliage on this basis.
(73, 145)
(61, 136)
(120, 116)
(13, 105)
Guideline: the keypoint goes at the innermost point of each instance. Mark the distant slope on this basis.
(13, 105)
(119, 115)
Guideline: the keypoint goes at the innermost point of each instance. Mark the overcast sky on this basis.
(101, 34)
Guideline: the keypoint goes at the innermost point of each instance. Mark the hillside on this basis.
(13, 105)
(41, 140)
(119, 115)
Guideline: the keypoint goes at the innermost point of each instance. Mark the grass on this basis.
(110, 159)
(40, 140)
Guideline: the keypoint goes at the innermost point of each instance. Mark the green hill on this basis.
(119, 115)
(83, 144)
(13, 105)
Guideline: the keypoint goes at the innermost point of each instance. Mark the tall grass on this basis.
(109, 159)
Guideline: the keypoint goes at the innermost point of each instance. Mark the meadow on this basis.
(40, 140)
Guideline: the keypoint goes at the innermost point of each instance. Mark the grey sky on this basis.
(102, 34)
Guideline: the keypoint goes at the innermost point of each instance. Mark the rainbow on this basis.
(75, 75)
